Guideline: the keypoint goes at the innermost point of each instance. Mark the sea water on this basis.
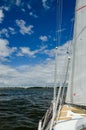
(21, 109)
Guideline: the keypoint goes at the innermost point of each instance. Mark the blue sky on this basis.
(28, 39)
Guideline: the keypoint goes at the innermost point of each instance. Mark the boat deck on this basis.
(68, 112)
(71, 118)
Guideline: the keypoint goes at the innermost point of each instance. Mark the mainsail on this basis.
(76, 93)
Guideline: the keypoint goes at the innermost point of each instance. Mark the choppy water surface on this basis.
(21, 109)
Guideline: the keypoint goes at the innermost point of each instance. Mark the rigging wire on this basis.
(66, 71)
(58, 40)
(62, 91)
(56, 101)
(59, 21)
(69, 48)
(58, 28)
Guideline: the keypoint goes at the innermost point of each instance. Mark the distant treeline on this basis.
(17, 88)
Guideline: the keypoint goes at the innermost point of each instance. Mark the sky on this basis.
(28, 37)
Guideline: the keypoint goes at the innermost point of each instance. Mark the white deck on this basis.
(69, 120)
(70, 125)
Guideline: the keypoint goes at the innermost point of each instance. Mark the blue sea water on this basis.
(21, 109)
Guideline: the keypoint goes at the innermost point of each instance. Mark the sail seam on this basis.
(81, 8)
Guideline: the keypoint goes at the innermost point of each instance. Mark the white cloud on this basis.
(7, 31)
(45, 5)
(6, 8)
(27, 51)
(50, 53)
(12, 30)
(61, 30)
(5, 50)
(38, 75)
(23, 28)
(32, 14)
(43, 38)
(29, 6)
(62, 57)
(23, 9)
(18, 2)
(61, 51)
(1, 15)
(4, 31)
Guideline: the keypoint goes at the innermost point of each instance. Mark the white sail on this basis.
(76, 93)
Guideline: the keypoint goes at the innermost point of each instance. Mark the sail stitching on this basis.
(81, 8)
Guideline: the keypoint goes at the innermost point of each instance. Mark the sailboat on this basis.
(68, 111)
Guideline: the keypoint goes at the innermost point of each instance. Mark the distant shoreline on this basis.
(13, 88)
(17, 88)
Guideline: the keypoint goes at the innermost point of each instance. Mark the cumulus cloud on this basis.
(26, 51)
(6, 8)
(5, 50)
(45, 4)
(61, 51)
(1, 15)
(7, 31)
(23, 28)
(38, 75)
(18, 2)
(10, 3)
(23, 9)
(12, 30)
(62, 58)
(43, 38)
(4, 32)
(31, 53)
(33, 15)
(25, 75)
(43, 50)
(50, 53)
(29, 6)
(61, 30)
